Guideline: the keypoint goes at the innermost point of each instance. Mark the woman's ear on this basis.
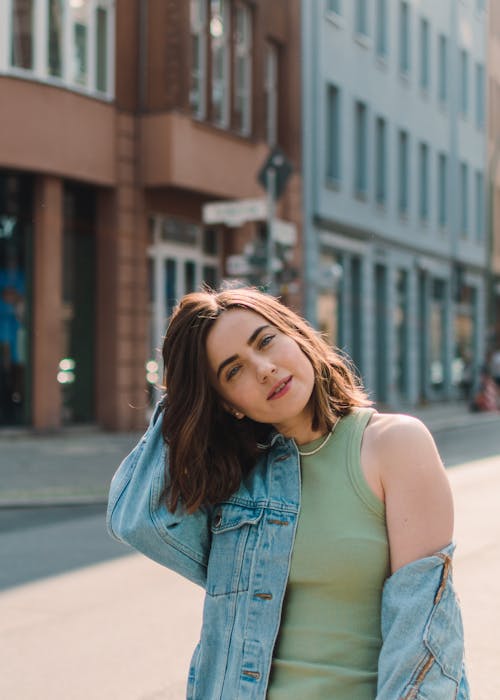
(233, 411)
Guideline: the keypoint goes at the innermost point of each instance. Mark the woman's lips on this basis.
(278, 392)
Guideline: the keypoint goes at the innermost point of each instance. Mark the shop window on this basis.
(437, 318)
(16, 195)
(76, 367)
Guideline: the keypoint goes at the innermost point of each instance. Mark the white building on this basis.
(394, 188)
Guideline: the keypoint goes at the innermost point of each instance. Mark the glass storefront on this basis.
(182, 257)
(16, 196)
(77, 365)
(401, 327)
(437, 319)
(329, 300)
(465, 362)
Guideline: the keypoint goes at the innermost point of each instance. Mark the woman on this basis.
(319, 528)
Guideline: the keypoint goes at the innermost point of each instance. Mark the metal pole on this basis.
(271, 206)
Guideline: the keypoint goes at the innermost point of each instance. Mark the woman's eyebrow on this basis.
(250, 340)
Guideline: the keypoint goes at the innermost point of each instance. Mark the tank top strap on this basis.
(358, 420)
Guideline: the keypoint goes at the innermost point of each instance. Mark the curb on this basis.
(48, 502)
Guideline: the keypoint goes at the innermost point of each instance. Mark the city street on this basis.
(79, 620)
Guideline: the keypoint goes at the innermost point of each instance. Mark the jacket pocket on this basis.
(235, 531)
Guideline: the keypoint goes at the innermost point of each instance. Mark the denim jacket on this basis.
(240, 552)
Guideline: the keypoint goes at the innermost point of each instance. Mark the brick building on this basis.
(119, 121)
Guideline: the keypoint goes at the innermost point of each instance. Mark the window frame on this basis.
(360, 149)
(199, 29)
(40, 70)
(243, 50)
(333, 170)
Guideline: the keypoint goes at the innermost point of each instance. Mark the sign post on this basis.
(273, 176)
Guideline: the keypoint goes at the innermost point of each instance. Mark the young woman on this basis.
(320, 529)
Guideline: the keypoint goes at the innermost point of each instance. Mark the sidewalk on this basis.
(127, 628)
(75, 466)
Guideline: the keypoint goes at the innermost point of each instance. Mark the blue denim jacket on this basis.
(240, 552)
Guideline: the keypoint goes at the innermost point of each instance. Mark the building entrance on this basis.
(182, 257)
(16, 196)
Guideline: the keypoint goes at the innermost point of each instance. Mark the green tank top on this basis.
(330, 637)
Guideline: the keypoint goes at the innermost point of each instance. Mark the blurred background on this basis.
(343, 154)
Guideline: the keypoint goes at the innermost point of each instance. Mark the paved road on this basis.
(126, 628)
(40, 542)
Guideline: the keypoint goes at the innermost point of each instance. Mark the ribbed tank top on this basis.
(330, 637)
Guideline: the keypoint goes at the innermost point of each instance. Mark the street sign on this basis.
(234, 212)
(238, 265)
(284, 232)
(279, 163)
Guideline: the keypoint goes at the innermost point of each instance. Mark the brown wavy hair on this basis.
(210, 451)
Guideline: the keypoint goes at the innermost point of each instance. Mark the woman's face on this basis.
(260, 372)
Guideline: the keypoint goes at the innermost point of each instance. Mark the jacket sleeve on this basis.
(138, 516)
(422, 655)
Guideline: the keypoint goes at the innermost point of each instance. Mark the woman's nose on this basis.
(265, 368)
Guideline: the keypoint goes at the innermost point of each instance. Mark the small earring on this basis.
(238, 415)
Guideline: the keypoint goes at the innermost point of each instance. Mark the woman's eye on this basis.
(232, 372)
(266, 340)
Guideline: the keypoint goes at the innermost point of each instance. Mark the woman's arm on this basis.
(418, 499)
(138, 515)
(422, 653)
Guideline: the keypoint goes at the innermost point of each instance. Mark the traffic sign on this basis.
(234, 212)
(284, 232)
(279, 163)
(238, 265)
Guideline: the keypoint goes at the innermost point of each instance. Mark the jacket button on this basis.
(218, 519)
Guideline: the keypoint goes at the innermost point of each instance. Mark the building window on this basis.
(464, 82)
(198, 19)
(219, 36)
(242, 69)
(480, 96)
(360, 149)
(424, 182)
(381, 44)
(79, 13)
(464, 199)
(442, 190)
(480, 205)
(334, 6)
(333, 134)
(272, 92)
(380, 161)
(442, 68)
(102, 34)
(55, 18)
(361, 18)
(425, 54)
(69, 43)
(403, 172)
(22, 50)
(404, 38)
